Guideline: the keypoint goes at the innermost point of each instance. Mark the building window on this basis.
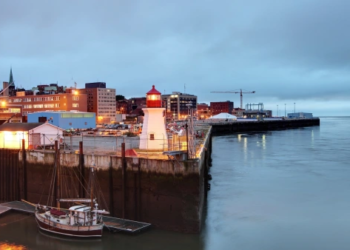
(76, 98)
(75, 105)
(151, 137)
(48, 105)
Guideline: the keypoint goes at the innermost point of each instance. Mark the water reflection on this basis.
(11, 246)
(263, 141)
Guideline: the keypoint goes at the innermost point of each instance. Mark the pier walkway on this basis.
(112, 223)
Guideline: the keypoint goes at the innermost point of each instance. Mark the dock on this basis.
(19, 206)
(129, 226)
(113, 224)
(4, 210)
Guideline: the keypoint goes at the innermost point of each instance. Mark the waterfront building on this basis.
(238, 112)
(10, 113)
(299, 115)
(256, 111)
(101, 101)
(136, 103)
(54, 102)
(34, 135)
(203, 111)
(122, 107)
(222, 117)
(178, 105)
(153, 136)
(221, 107)
(65, 119)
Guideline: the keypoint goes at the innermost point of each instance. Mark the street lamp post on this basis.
(294, 107)
(285, 110)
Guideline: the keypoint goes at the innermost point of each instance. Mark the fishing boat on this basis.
(82, 219)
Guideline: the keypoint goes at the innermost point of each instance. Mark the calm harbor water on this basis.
(285, 189)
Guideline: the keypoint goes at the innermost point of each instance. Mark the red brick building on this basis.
(203, 111)
(221, 107)
(55, 102)
(122, 107)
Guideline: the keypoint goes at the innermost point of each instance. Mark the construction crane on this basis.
(236, 92)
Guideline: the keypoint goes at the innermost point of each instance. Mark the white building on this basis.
(300, 115)
(35, 135)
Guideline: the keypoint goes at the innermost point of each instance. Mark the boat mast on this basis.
(92, 189)
(58, 186)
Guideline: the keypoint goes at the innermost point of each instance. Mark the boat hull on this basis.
(67, 230)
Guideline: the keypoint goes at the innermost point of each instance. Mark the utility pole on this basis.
(294, 107)
(285, 110)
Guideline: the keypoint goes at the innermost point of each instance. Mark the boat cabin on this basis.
(81, 215)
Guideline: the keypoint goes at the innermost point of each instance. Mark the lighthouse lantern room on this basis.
(153, 98)
(153, 136)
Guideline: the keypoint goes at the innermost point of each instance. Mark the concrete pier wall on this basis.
(241, 126)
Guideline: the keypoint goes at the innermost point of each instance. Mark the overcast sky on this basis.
(295, 51)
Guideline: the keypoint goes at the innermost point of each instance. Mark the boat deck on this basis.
(111, 223)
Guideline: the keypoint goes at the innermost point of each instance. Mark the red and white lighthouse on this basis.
(153, 136)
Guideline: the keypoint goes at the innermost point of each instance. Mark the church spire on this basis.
(11, 77)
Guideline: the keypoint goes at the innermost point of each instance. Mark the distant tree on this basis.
(119, 97)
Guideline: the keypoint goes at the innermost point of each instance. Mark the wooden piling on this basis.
(24, 166)
(135, 196)
(81, 170)
(123, 181)
(111, 193)
(139, 204)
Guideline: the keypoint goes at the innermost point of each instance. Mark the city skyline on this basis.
(288, 52)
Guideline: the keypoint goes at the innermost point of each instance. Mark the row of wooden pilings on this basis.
(13, 174)
(13, 177)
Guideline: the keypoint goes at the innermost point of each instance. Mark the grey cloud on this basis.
(282, 49)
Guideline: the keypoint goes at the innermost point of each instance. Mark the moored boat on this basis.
(84, 219)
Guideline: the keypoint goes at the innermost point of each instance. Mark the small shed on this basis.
(35, 135)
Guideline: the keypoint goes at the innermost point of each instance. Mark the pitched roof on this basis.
(19, 126)
(153, 91)
(223, 116)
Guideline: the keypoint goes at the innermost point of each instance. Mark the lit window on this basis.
(75, 105)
